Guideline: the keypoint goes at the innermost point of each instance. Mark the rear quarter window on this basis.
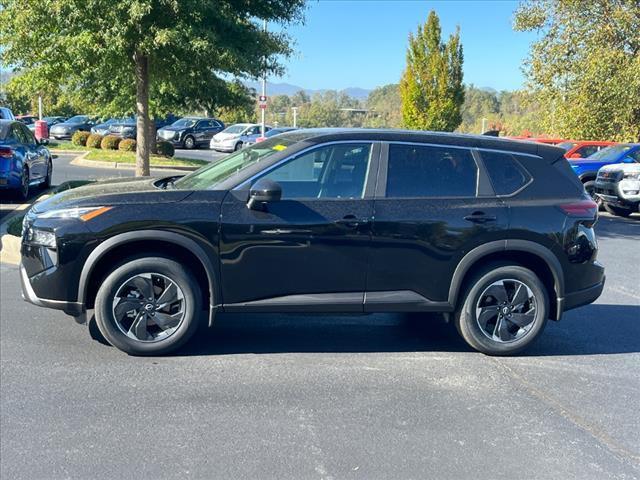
(506, 173)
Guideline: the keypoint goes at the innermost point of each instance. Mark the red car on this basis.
(582, 149)
(547, 140)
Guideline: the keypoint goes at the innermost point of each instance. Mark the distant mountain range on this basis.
(289, 89)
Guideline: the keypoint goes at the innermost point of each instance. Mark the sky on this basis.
(362, 43)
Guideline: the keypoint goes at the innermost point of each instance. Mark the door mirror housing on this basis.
(628, 159)
(262, 192)
(43, 141)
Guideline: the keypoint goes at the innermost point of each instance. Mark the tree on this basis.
(431, 86)
(384, 106)
(584, 68)
(154, 55)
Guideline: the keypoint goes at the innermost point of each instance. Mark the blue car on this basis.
(587, 168)
(24, 161)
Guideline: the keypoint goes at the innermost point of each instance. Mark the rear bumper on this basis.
(582, 297)
(70, 308)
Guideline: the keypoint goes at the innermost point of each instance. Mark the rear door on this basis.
(433, 204)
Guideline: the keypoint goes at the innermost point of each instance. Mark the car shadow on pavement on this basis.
(591, 330)
(616, 227)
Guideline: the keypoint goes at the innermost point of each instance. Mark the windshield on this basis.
(609, 152)
(184, 122)
(211, 175)
(238, 128)
(566, 146)
(78, 119)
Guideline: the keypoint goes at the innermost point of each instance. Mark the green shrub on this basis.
(165, 149)
(80, 138)
(94, 141)
(110, 142)
(127, 145)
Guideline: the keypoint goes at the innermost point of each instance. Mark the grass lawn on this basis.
(130, 157)
(64, 145)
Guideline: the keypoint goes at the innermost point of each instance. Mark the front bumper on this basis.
(74, 309)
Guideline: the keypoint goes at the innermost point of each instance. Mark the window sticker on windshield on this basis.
(279, 148)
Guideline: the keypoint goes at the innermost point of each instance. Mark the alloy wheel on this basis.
(506, 310)
(148, 307)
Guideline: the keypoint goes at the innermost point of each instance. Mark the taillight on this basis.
(583, 208)
(6, 152)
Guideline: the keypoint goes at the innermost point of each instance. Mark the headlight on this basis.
(632, 176)
(83, 213)
(35, 236)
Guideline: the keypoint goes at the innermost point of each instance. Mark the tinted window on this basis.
(587, 150)
(506, 174)
(332, 171)
(28, 136)
(423, 171)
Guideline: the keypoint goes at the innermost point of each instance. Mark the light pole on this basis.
(484, 125)
(295, 116)
(264, 87)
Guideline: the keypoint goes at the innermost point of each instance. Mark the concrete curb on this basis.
(81, 161)
(68, 152)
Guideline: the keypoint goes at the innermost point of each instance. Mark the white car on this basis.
(618, 185)
(233, 138)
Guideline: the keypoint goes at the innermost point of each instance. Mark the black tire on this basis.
(23, 191)
(618, 211)
(237, 147)
(590, 188)
(189, 142)
(468, 325)
(47, 180)
(183, 279)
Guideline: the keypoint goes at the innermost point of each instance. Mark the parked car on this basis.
(102, 128)
(582, 149)
(51, 121)
(618, 186)
(232, 138)
(66, 129)
(124, 127)
(6, 114)
(495, 234)
(191, 132)
(545, 140)
(28, 120)
(24, 161)
(128, 128)
(587, 168)
(249, 140)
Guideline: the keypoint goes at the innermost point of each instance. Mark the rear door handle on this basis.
(480, 217)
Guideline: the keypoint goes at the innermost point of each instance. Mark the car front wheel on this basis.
(148, 306)
(504, 310)
(189, 143)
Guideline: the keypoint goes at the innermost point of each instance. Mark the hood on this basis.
(120, 191)
(220, 137)
(622, 167)
(175, 129)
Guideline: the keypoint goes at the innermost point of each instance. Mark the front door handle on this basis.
(351, 221)
(480, 217)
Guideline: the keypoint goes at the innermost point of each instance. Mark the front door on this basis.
(309, 250)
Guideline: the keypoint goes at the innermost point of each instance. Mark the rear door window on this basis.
(506, 174)
(430, 171)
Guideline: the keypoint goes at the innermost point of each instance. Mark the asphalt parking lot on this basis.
(294, 396)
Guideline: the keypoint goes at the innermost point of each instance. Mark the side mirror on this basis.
(43, 141)
(628, 160)
(575, 155)
(262, 192)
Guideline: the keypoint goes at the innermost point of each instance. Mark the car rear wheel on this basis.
(148, 306)
(618, 211)
(505, 309)
(189, 143)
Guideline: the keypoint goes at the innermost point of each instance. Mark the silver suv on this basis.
(618, 186)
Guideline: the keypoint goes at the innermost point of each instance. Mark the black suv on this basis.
(496, 234)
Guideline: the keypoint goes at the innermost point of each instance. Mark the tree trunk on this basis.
(142, 112)
(152, 137)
